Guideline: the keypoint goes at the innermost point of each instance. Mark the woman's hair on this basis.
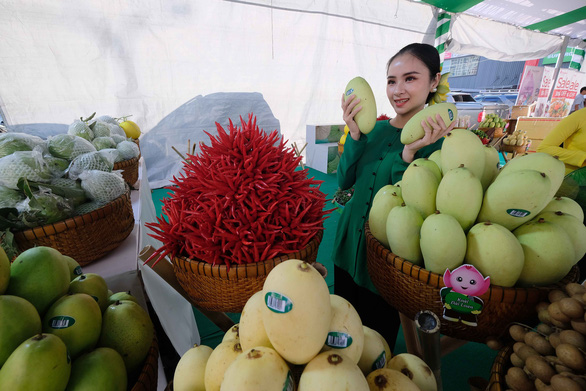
(425, 53)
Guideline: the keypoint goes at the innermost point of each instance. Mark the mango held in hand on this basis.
(413, 130)
(366, 117)
(297, 312)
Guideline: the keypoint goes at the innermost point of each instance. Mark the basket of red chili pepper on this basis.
(239, 208)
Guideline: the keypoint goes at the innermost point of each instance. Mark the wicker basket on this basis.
(129, 170)
(217, 288)
(499, 369)
(85, 238)
(147, 380)
(513, 148)
(410, 289)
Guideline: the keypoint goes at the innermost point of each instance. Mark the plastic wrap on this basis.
(13, 142)
(67, 146)
(102, 186)
(99, 160)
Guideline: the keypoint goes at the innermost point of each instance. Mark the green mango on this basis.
(98, 370)
(39, 363)
(77, 320)
(385, 199)
(19, 320)
(515, 198)
(491, 166)
(94, 285)
(403, 229)
(366, 117)
(554, 168)
(4, 271)
(436, 156)
(40, 275)
(575, 229)
(566, 205)
(419, 188)
(549, 252)
(443, 243)
(413, 131)
(461, 146)
(431, 165)
(127, 328)
(114, 297)
(459, 194)
(495, 252)
(74, 268)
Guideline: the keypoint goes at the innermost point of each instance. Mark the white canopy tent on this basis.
(66, 59)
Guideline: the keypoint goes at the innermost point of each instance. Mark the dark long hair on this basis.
(427, 54)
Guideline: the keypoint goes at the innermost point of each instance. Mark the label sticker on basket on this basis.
(338, 340)
(61, 322)
(518, 212)
(278, 303)
(460, 296)
(380, 362)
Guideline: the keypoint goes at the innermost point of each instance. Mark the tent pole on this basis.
(558, 64)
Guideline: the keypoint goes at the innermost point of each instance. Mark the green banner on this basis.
(553, 58)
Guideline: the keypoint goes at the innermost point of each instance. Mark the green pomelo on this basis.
(429, 164)
(515, 198)
(74, 268)
(39, 363)
(385, 199)
(419, 189)
(403, 229)
(19, 320)
(40, 275)
(413, 131)
(77, 320)
(461, 146)
(495, 252)
(92, 284)
(459, 194)
(491, 166)
(574, 228)
(121, 296)
(443, 243)
(554, 168)
(565, 205)
(366, 117)
(549, 252)
(127, 328)
(99, 370)
(436, 157)
(4, 271)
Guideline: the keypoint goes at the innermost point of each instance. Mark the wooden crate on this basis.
(536, 128)
(520, 111)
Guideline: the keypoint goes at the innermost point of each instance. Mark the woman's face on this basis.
(408, 84)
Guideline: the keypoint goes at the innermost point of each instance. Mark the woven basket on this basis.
(147, 380)
(217, 288)
(129, 170)
(85, 238)
(410, 289)
(499, 369)
(513, 148)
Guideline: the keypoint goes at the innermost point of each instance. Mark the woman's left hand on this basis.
(436, 131)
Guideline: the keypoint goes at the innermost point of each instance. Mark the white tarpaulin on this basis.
(499, 41)
(63, 60)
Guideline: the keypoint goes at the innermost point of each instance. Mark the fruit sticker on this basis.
(61, 322)
(278, 303)
(460, 295)
(289, 385)
(338, 340)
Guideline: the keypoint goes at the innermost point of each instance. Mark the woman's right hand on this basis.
(350, 108)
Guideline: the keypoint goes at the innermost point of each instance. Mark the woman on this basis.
(372, 161)
(567, 141)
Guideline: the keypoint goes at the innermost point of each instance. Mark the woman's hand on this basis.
(350, 108)
(436, 131)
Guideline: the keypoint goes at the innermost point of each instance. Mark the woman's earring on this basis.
(434, 90)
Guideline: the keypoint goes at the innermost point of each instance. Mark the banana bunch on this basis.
(443, 88)
(343, 138)
(517, 138)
